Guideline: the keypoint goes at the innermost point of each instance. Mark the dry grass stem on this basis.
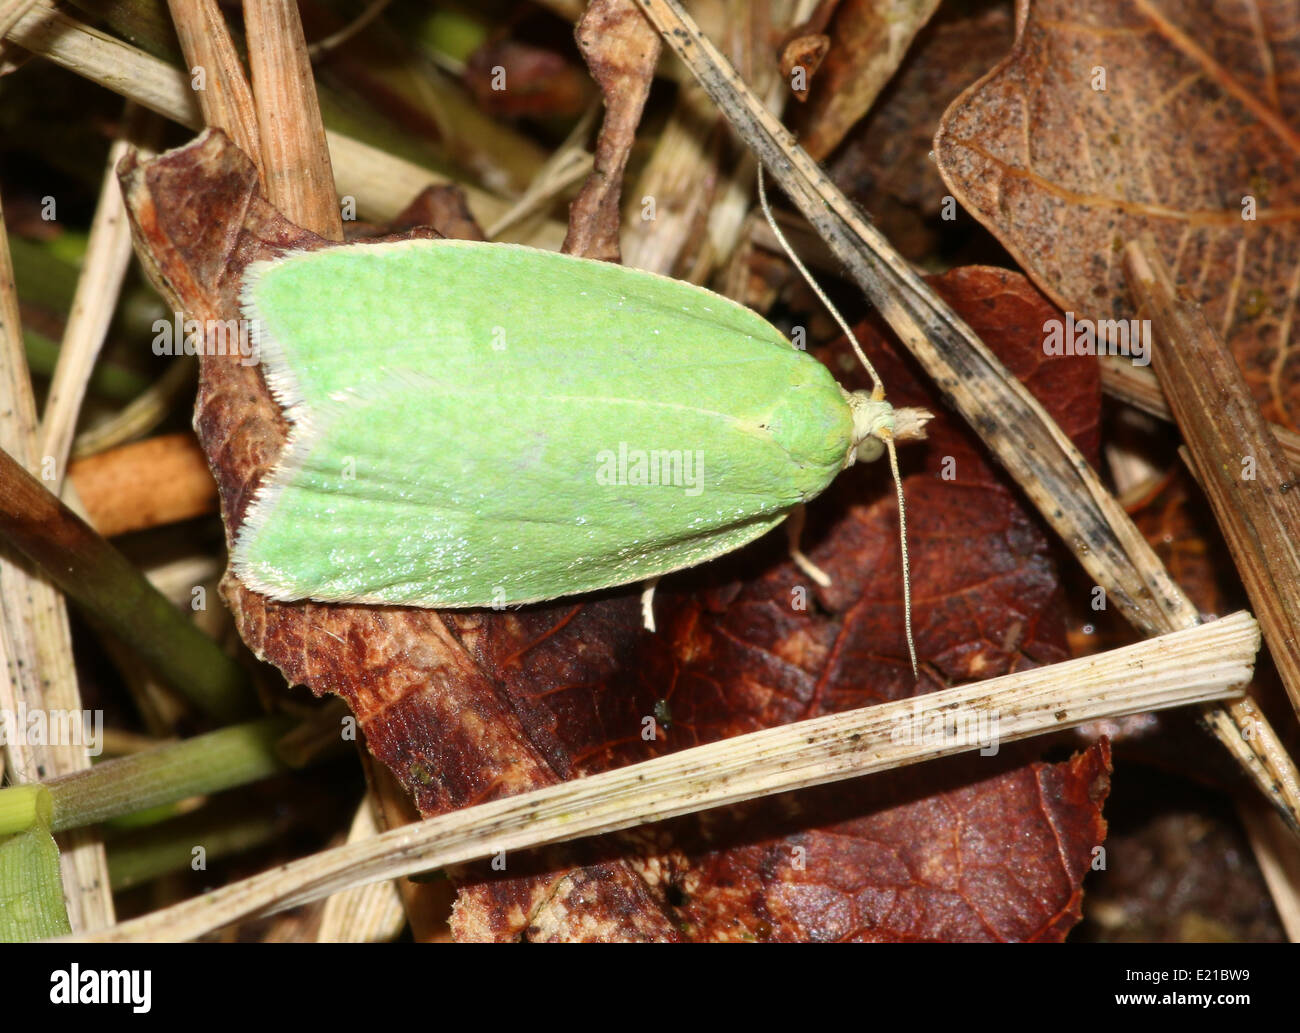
(35, 638)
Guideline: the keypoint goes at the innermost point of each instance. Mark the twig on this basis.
(382, 184)
(363, 914)
(1140, 389)
(295, 156)
(322, 47)
(1278, 856)
(146, 854)
(11, 11)
(108, 253)
(148, 81)
(427, 901)
(35, 640)
(204, 764)
(139, 416)
(225, 97)
(691, 176)
(103, 583)
(177, 578)
(1235, 458)
(570, 162)
(158, 481)
(1211, 661)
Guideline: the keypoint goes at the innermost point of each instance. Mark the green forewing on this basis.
(470, 421)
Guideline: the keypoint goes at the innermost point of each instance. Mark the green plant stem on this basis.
(169, 847)
(114, 593)
(208, 763)
(108, 380)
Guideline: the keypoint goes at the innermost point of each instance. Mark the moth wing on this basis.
(341, 319)
(451, 402)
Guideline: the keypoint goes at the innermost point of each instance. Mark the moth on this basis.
(485, 424)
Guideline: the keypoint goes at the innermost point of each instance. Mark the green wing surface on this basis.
(478, 424)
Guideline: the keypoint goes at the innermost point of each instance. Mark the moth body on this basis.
(486, 424)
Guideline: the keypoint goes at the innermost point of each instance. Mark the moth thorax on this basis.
(872, 419)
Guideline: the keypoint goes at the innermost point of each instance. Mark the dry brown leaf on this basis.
(512, 78)
(1196, 123)
(944, 853)
(885, 162)
(621, 48)
(868, 39)
(805, 55)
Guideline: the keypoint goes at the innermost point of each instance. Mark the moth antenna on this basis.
(877, 391)
(902, 541)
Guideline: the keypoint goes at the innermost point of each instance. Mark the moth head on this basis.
(875, 421)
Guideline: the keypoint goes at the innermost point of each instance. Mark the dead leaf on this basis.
(941, 853)
(1194, 125)
(805, 54)
(512, 78)
(621, 48)
(868, 39)
(885, 162)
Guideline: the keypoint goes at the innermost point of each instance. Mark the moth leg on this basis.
(648, 604)
(794, 528)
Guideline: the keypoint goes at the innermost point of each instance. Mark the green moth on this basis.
(480, 424)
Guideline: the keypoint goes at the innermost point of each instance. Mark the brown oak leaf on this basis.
(1112, 119)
